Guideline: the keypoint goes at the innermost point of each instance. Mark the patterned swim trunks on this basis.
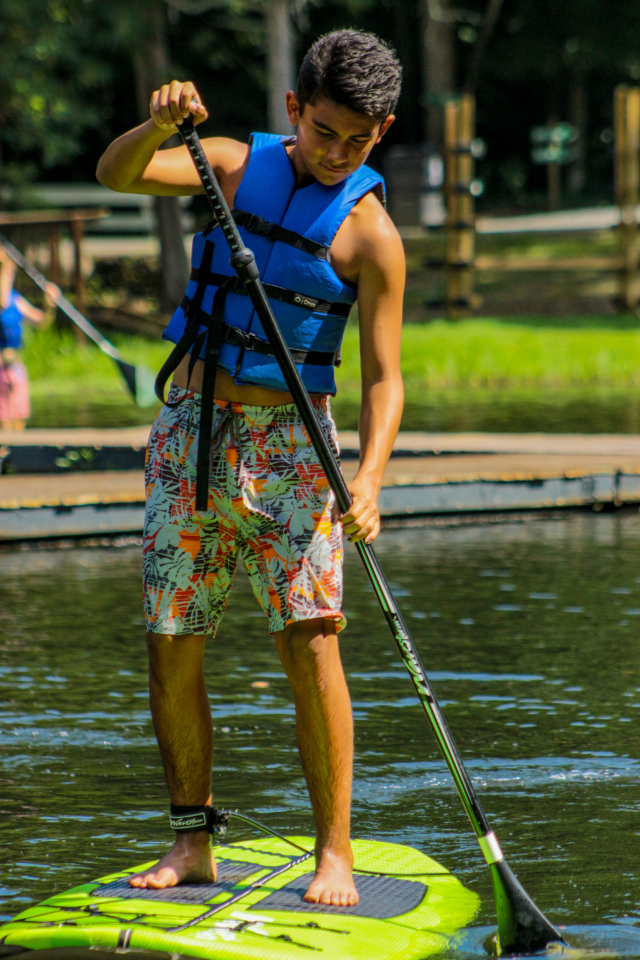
(269, 502)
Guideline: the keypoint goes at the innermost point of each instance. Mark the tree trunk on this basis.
(151, 65)
(280, 72)
(438, 65)
(490, 20)
(578, 117)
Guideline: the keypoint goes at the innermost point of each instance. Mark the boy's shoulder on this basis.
(368, 241)
(226, 155)
(372, 226)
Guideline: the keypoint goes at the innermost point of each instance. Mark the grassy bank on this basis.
(488, 354)
(452, 373)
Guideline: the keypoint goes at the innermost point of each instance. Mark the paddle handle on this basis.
(243, 262)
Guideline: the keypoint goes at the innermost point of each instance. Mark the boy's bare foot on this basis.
(333, 881)
(190, 860)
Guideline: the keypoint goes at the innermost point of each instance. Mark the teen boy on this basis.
(321, 238)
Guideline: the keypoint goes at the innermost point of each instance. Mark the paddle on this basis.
(522, 928)
(139, 380)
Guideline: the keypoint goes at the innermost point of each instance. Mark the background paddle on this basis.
(140, 381)
(522, 927)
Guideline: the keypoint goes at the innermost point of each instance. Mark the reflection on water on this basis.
(517, 411)
(529, 631)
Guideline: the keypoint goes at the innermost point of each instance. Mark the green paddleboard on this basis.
(409, 912)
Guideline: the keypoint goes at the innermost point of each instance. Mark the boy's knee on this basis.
(172, 657)
(303, 645)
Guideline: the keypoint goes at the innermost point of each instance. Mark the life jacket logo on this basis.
(304, 302)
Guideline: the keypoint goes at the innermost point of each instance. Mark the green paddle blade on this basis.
(145, 395)
(522, 927)
(140, 383)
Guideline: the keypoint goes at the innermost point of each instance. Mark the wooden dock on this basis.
(66, 483)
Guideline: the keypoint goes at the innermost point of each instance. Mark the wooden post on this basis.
(54, 249)
(451, 199)
(554, 186)
(627, 182)
(77, 232)
(466, 204)
(459, 170)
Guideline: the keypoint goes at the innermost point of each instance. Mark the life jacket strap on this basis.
(214, 332)
(190, 334)
(236, 337)
(235, 285)
(248, 341)
(264, 228)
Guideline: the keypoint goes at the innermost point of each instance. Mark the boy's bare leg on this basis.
(182, 722)
(310, 655)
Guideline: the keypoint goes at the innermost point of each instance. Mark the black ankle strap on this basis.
(190, 819)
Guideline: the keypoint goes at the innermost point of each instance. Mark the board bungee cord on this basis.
(522, 927)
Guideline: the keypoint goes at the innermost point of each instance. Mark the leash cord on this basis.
(292, 843)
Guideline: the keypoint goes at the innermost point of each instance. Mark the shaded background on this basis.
(68, 73)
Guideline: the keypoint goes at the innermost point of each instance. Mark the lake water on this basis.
(590, 410)
(529, 631)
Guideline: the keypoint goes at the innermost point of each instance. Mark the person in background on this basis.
(15, 408)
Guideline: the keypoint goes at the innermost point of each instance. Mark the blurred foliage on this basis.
(68, 84)
(56, 63)
(139, 276)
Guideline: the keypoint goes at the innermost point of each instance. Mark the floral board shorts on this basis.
(269, 502)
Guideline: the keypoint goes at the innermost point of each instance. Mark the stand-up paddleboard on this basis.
(409, 908)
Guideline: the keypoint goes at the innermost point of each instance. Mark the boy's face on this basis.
(333, 141)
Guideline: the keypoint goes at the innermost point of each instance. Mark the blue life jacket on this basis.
(290, 231)
(11, 324)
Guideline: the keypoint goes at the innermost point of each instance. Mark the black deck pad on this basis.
(380, 898)
(230, 872)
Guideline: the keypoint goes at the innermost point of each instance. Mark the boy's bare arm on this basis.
(381, 277)
(133, 163)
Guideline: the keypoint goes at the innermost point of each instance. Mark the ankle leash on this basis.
(189, 819)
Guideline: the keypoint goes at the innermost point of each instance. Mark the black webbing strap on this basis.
(214, 330)
(235, 285)
(185, 819)
(194, 314)
(263, 228)
(248, 341)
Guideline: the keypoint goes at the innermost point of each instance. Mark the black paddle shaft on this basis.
(243, 262)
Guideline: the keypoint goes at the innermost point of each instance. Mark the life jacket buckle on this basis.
(258, 225)
(236, 337)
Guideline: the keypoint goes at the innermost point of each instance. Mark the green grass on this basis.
(58, 365)
(474, 374)
(471, 354)
(486, 353)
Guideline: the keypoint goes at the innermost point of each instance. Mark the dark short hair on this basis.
(352, 68)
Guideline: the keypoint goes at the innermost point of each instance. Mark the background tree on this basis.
(152, 68)
(67, 69)
(278, 42)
